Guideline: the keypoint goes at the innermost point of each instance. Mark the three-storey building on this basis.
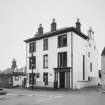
(62, 58)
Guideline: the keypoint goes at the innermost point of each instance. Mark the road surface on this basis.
(37, 97)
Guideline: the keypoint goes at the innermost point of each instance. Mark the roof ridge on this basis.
(59, 31)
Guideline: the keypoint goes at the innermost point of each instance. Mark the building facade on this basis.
(13, 77)
(62, 58)
(103, 68)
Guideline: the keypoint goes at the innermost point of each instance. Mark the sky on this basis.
(20, 19)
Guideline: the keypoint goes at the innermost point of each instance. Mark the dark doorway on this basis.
(62, 79)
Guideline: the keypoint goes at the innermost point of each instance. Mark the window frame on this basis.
(45, 61)
(61, 41)
(91, 66)
(45, 44)
(61, 62)
(32, 78)
(16, 78)
(83, 67)
(32, 47)
(45, 78)
(32, 61)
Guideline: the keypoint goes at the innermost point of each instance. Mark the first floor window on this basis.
(91, 67)
(32, 62)
(45, 61)
(62, 59)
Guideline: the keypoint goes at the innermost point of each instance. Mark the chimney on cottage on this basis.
(78, 25)
(40, 30)
(90, 33)
(53, 25)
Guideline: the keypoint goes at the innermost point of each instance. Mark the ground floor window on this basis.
(16, 78)
(45, 78)
(32, 78)
(83, 67)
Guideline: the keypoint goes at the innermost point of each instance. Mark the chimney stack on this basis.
(90, 33)
(78, 25)
(40, 30)
(53, 25)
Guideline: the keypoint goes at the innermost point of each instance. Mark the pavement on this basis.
(85, 96)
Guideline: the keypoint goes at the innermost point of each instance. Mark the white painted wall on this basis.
(80, 48)
(103, 71)
(18, 82)
(52, 58)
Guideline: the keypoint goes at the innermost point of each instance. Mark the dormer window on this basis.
(62, 40)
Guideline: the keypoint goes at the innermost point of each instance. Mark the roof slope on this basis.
(57, 32)
(103, 52)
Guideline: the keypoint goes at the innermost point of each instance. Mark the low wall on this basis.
(94, 81)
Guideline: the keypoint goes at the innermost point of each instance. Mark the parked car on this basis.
(3, 91)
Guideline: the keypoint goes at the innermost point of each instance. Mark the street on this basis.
(39, 97)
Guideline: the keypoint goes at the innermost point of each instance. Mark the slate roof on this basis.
(57, 32)
(103, 52)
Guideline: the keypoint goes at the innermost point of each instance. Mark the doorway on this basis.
(62, 79)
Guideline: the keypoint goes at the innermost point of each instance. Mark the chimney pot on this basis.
(40, 29)
(78, 25)
(53, 25)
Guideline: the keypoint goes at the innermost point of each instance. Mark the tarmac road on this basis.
(37, 97)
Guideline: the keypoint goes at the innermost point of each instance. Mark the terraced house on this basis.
(62, 58)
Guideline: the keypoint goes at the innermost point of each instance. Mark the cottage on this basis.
(13, 77)
(62, 58)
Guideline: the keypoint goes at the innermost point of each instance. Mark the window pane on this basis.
(32, 47)
(32, 62)
(45, 47)
(45, 61)
(32, 78)
(62, 59)
(91, 67)
(65, 40)
(62, 40)
(65, 59)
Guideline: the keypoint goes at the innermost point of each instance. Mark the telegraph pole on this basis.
(32, 71)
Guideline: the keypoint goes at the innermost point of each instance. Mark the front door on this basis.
(62, 79)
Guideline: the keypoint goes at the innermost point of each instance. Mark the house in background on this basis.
(62, 58)
(13, 77)
(103, 68)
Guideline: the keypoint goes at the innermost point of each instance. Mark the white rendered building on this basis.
(62, 58)
(103, 68)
